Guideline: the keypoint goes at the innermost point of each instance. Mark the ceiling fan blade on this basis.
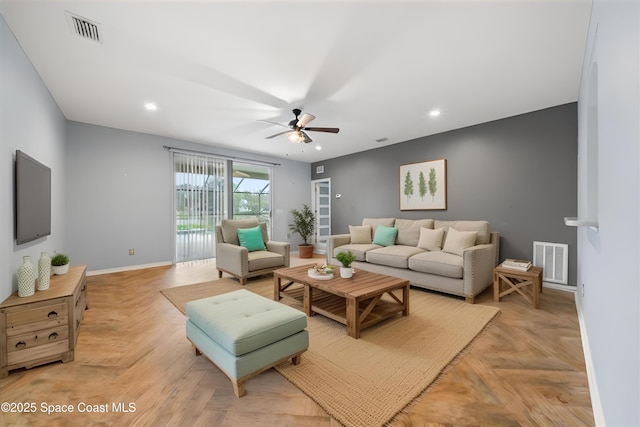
(277, 134)
(306, 118)
(306, 138)
(274, 123)
(330, 130)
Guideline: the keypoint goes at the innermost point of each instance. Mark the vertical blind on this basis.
(200, 204)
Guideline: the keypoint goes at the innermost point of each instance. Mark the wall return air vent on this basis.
(85, 28)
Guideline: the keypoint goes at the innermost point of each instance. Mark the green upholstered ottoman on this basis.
(245, 334)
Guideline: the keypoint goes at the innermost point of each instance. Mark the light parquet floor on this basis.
(526, 369)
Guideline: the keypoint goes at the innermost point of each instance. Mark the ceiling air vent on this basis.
(84, 27)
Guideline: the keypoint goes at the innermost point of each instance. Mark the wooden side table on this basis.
(516, 280)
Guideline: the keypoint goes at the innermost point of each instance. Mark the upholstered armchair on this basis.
(258, 256)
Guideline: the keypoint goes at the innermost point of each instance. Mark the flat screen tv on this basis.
(32, 199)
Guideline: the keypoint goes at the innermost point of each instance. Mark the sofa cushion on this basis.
(375, 222)
(251, 238)
(409, 230)
(457, 241)
(482, 227)
(431, 240)
(359, 250)
(360, 233)
(264, 259)
(385, 236)
(230, 228)
(436, 262)
(392, 256)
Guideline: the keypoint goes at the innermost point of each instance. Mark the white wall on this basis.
(608, 260)
(29, 121)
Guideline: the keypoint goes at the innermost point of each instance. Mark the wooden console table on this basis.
(43, 327)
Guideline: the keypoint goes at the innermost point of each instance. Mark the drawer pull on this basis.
(52, 314)
(53, 336)
(21, 344)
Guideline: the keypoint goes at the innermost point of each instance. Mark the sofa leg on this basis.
(243, 281)
(470, 300)
(219, 274)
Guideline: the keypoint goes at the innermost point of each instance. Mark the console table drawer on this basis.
(33, 339)
(37, 316)
(38, 352)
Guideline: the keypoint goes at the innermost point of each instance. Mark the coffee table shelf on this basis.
(335, 307)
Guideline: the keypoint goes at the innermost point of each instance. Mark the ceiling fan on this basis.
(298, 126)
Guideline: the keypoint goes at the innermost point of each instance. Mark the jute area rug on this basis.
(368, 381)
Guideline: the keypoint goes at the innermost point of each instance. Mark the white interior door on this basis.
(322, 208)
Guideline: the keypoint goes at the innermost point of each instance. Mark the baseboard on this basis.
(128, 268)
(559, 287)
(596, 404)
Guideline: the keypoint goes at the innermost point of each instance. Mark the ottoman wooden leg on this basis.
(296, 359)
(238, 388)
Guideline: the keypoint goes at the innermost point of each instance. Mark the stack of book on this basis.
(517, 264)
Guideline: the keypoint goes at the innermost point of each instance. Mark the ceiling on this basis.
(375, 69)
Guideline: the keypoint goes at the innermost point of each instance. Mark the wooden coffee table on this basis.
(356, 302)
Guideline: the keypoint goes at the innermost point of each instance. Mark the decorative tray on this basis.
(314, 275)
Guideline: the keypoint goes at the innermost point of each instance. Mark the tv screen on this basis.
(32, 199)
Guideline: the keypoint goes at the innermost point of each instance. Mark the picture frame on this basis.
(423, 185)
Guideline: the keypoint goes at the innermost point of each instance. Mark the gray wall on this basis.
(518, 173)
(608, 296)
(119, 184)
(29, 121)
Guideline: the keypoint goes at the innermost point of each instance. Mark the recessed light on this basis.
(434, 113)
(150, 106)
(318, 147)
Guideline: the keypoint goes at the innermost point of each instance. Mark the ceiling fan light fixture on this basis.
(296, 137)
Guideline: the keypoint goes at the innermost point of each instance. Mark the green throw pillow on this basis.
(385, 236)
(251, 238)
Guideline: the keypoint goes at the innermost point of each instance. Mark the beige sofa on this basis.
(455, 257)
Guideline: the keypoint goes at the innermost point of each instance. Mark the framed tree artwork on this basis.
(423, 186)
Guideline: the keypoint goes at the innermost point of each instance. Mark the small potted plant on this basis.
(304, 223)
(346, 258)
(59, 264)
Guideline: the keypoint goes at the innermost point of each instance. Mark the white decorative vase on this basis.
(44, 271)
(26, 278)
(346, 272)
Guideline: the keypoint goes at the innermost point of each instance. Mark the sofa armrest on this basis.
(232, 258)
(478, 263)
(282, 248)
(335, 241)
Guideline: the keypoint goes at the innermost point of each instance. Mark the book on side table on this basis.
(517, 264)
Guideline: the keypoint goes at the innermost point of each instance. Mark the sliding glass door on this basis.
(200, 204)
(252, 192)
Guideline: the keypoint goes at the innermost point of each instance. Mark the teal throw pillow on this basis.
(251, 238)
(385, 236)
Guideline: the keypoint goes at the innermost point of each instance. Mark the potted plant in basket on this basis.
(346, 258)
(304, 223)
(60, 264)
